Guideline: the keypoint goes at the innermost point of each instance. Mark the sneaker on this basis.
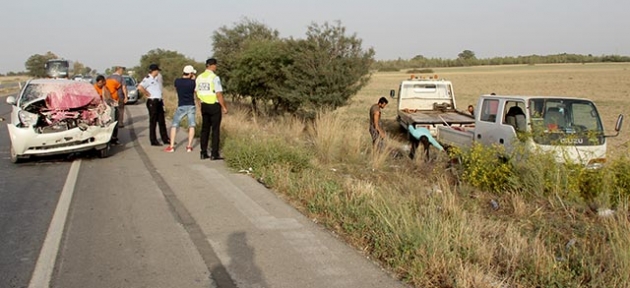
(188, 148)
(169, 149)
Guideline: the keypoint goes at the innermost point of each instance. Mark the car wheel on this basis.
(15, 158)
(103, 153)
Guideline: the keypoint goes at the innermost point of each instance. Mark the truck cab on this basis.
(428, 103)
(569, 128)
(58, 68)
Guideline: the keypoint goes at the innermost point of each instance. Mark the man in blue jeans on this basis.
(185, 87)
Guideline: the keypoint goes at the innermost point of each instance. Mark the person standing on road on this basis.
(185, 87)
(101, 88)
(152, 89)
(112, 86)
(210, 94)
(376, 125)
(122, 93)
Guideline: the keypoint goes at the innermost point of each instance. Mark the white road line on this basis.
(48, 255)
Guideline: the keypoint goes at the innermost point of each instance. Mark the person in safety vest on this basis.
(210, 93)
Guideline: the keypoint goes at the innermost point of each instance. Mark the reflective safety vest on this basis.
(205, 87)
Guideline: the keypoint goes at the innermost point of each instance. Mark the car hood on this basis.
(68, 104)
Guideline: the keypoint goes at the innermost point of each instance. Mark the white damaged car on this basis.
(59, 116)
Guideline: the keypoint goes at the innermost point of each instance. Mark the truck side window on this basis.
(489, 110)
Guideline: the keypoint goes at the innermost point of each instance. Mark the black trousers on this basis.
(156, 116)
(415, 143)
(211, 115)
(116, 115)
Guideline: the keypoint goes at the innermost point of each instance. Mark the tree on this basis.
(35, 64)
(466, 55)
(229, 43)
(258, 71)
(466, 58)
(171, 63)
(327, 68)
(78, 68)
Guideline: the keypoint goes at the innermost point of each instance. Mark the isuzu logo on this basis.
(572, 141)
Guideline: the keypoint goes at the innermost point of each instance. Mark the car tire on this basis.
(17, 159)
(103, 153)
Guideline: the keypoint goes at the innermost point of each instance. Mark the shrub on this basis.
(486, 168)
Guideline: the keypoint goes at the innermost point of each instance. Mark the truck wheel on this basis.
(103, 153)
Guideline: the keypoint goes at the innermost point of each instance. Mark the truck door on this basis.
(513, 122)
(488, 121)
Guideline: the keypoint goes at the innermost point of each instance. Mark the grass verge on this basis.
(525, 224)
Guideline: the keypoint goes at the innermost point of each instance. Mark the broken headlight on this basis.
(27, 119)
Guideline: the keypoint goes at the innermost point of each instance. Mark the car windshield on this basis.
(129, 81)
(566, 121)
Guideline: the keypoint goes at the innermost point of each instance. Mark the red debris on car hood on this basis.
(72, 96)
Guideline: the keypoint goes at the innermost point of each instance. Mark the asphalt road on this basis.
(145, 218)
(26, 207)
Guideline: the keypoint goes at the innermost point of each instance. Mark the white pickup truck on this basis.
(428, 103)
(570, 128)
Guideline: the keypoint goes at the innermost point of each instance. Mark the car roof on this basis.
(526, 97)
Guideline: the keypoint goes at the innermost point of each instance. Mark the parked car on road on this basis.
(132, 89)
(58, 116)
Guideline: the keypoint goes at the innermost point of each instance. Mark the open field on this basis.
(606, 84)
(430, 224)
(9, 84)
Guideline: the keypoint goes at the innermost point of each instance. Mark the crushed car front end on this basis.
(59, 118)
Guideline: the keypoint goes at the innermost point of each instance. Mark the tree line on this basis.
(468, 58)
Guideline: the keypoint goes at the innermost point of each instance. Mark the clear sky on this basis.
(101, 34)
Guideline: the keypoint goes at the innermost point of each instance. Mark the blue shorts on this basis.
(188, 111)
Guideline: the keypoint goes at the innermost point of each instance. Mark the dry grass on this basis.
(11, 79)
(413, 218)
(9, 84)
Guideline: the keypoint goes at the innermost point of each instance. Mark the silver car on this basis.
(132, 89)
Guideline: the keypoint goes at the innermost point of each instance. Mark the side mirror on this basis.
(619, 123)
(617, 126)
(11, 100)
(392, 93)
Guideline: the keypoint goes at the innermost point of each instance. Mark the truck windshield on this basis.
(565, 122)
(57, 68)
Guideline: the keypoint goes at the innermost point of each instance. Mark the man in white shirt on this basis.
(152, 89)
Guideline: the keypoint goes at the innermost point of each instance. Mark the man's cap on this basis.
(154, 67)
(189, 69)
(120, 67)
(211, 61)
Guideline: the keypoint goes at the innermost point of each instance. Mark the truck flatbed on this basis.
(436, 117)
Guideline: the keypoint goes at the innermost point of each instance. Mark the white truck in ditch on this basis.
(569, 128)
(428, 103)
